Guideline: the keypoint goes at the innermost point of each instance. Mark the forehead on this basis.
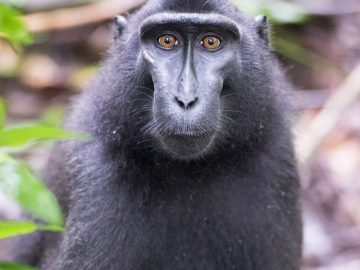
(188, 21)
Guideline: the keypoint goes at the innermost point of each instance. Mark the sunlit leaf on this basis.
(21, 185)
(21, 135)
(14, 266)
(2, 113)
(12, 27)
(14, 228)
(9, 229)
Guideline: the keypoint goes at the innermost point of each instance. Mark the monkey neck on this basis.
(156, 173)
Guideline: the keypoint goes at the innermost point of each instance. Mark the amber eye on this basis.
(211, 42)
(168, 41)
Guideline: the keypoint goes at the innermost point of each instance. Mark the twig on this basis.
(314, 136)
(78, 16)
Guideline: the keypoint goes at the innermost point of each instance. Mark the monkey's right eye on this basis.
(168, 41)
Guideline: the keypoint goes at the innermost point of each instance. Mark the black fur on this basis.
(129, 205)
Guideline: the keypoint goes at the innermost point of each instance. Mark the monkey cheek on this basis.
(186, 147)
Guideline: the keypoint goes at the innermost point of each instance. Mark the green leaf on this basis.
(14, 266)
(9, 228)
(20, 184)
(12, 27)
(2, 113)
(14, 228)
(51, 228)
(21, 135)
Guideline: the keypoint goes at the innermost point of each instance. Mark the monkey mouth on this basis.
(187, 145)
(189, 134)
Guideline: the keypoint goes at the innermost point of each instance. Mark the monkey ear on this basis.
(263, 28)
(119, 26)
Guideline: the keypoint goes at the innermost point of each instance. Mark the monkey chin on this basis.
(187, 146)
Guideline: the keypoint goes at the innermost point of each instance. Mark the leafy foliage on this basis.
(13, 266)
(13, 228)
(20, 184)
(20, 135)
(12, 27)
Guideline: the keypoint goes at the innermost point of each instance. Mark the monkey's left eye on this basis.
(168, 41)
(211, 42)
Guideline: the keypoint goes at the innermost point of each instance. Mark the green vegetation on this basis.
(12, 27)
(21, 185)
(12, 266)
(17, 181)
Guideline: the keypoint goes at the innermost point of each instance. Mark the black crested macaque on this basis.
(191, 165)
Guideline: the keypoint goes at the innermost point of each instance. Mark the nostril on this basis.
(192, 103)
(180, 103)
(186, 105)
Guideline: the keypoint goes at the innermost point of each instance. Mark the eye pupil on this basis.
(211, 41)
(167, 40)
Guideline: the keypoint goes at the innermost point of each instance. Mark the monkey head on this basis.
(188, 57)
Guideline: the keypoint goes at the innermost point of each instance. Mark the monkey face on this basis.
(188, 57)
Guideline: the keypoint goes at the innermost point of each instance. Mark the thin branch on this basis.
(77, 16)
(314, 136)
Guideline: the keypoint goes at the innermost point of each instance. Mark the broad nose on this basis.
(187, 93)
(186, 103)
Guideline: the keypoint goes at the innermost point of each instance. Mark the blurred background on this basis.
(52, 53)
